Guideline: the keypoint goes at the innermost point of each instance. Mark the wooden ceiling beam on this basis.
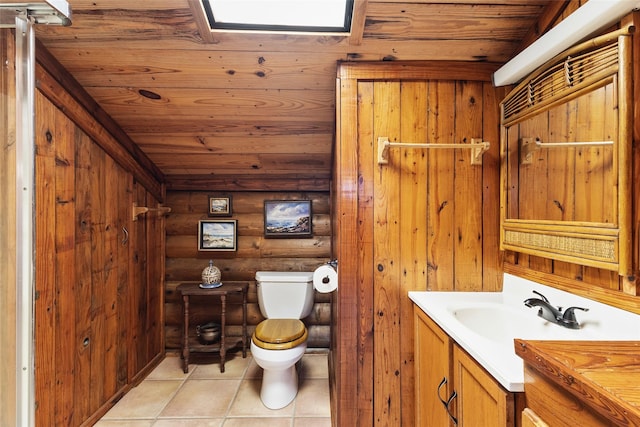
(358, 20)
(245, 183)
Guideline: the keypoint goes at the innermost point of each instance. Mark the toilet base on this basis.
(279, 387)
(279, 375)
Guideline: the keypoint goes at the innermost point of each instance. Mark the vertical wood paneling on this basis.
(387, 261)
(593, 161)
(98, 285)
(82, 279)
(413, 228)
(65, 303)
(562, 191)
(45, 322)
(410, 226)
(560, 164)
(440, 203)
(365, 239)
(84, 268)
(467, 189)
(111, 308)
(124, 191)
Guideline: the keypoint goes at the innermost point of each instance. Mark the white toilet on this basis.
(281, 340)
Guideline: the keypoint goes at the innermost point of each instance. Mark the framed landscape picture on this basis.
(219, 206)
(217, 235)
(287, 218)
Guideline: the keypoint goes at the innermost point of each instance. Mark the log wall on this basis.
(254, 253)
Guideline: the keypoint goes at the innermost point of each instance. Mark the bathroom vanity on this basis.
(467, 368)
(451, 387)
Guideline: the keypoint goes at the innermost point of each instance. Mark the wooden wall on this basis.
(426, 221)
(98, 274)
(8, 368)
(254, 253)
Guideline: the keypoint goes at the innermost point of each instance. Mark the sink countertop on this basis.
(602, 374)
(499, 359)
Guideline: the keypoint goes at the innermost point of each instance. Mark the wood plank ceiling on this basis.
(243, 108)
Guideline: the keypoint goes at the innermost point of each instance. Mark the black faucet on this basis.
(554, 314)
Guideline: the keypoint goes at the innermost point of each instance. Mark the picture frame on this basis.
(287, 219)
(220, 206)
(218, 235)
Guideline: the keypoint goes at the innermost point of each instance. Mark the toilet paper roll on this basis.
(325, 279)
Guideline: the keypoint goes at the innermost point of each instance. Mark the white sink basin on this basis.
(485, 323)
(501, 324)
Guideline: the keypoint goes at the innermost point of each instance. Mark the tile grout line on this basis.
(235, 395)
(174, 394)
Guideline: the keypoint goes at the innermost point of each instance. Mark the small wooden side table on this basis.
(190, 343)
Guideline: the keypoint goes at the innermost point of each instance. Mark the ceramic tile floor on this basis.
(208, 398)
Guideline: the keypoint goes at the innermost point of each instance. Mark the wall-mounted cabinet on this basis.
(566, 157)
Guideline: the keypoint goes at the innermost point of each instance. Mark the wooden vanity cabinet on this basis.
(555, 406)
(451, 388)
(582, 383)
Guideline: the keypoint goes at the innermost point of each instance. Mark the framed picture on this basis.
(219, 206)
(287, 218)
(217, 235)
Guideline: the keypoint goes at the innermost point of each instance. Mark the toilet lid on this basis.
(279, 334)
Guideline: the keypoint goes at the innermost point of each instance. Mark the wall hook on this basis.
(139, 210)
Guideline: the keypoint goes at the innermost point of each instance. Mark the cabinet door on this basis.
(481, 400)
(432, 364)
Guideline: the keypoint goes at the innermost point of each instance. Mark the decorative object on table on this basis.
(211, 277)
(220, 206)
(208, 333)
(287, 218)
(217, 235)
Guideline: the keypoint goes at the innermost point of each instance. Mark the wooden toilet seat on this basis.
(279, 334)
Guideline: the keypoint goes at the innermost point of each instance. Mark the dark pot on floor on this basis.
(208, 333)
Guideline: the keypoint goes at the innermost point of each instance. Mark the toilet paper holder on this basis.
(325, 277)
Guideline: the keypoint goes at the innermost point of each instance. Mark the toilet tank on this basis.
(285, 294)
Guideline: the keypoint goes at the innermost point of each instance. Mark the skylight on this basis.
(293, 16)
